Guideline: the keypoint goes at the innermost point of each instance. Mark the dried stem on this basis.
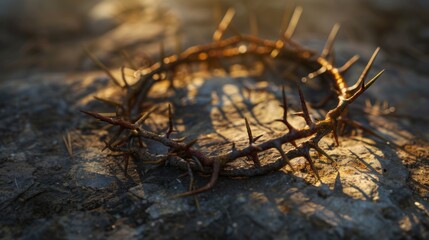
(189, 157)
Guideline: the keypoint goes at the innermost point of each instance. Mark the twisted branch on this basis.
(188, 157)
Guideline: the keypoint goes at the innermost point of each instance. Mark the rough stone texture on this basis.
(372, 190)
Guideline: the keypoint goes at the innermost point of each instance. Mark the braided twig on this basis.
(189, 158)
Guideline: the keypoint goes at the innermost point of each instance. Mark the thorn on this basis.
(255, 159)
(284, 105)
(366, 129)
(290, 30)
(249, 131)
(372, 81)
(254, 154)
(110, 120)
(361, 81)
(124, 78)
(368, 66)
(309, 160)
(145, 116)
(348, 64)
(170, 122)
(93, 114)
(283, 155)
(114, 147)
(190, 144)
(102, 66)
(223, 25)
(256, 138)
(305, 113)
(364, 87)
(321, 151)
(327, 50)
(121, 141)
(316, 73)
(113, 139)
(233, 147)
(109, 114)
(108, 101)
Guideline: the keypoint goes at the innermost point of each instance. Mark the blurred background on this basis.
(49, 34)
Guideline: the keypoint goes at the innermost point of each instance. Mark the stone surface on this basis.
(373, 190)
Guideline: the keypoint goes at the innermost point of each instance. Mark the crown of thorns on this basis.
(131, 135)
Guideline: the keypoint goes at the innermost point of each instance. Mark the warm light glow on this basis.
(242, 49)
(275, 53)
(203, 56)
(156, 77)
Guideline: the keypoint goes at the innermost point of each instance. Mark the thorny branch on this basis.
(190, 158)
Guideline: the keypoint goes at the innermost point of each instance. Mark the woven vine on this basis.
(131, 136)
